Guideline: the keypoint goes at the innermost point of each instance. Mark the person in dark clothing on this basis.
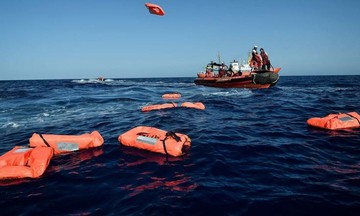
(265, 58)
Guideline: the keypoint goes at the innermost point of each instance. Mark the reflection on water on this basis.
(179, 182)
(141, 157)
(148, 180)
(72, 160)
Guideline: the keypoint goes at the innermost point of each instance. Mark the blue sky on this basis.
(70, 39)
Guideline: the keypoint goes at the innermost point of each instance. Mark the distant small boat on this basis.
(101, 79)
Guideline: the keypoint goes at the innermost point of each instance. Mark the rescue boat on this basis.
(67, 143)
(336, 121)
(222, 76)
(156, 140)
(24, 162)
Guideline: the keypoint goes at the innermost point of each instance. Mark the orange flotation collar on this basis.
(67, 143)
(23, 162)
(336, 121)
(155, 140)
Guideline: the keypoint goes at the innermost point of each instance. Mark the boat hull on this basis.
(264, 79)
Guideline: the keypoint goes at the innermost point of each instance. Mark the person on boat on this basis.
(254, 50)
(256, 60)
(209, 69)
(233, 69)
(266, 61)
(222, 69)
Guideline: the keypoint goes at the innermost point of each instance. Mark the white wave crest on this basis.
(11, 125)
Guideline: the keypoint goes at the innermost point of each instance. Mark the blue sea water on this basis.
(252, 152)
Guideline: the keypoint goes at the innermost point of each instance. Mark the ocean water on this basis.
(252, 152)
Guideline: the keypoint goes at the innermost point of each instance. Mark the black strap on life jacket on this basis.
(173, 135)
(46, 143)
(167, 135)
(353, 117)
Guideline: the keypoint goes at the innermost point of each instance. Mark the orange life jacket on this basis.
(256, 61)
(67, 143)
(171, 96)
(155, 140)
(24, 162)
(155, 9)
(158, 107)
(336, 121)
(197, 105)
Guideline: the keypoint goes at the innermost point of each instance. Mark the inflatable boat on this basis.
(254, 79)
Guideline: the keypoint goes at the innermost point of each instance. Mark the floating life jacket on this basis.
(158, 107)
(24, 162)
(171, 96)
(155, 9)
(336, 121)
(197, 105)
(67, 143)
(155, 140)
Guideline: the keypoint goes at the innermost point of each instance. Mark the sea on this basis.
(252, 152)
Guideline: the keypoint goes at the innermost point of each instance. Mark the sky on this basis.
(73, 39)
